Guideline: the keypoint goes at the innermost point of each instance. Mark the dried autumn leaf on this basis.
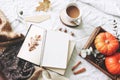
(43, 6)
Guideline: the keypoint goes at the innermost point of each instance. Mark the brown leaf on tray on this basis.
(43, 6)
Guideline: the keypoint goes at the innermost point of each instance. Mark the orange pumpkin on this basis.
(112, 63)
(106, 43)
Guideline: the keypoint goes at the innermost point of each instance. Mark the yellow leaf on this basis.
(43, 6)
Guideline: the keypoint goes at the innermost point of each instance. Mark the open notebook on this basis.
(45, 48)
(70, 51)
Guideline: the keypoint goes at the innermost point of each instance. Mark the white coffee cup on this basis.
(73, 13)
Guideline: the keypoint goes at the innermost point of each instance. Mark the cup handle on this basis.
(77, 21)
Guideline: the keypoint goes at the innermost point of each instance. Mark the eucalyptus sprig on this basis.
(96, 55)
(115, 29)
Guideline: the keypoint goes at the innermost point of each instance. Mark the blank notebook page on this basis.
(56, 50)
(33, 56)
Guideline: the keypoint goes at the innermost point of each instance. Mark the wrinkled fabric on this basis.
(94, 13)
(45, 74)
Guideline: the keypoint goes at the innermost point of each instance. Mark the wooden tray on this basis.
(91, 59)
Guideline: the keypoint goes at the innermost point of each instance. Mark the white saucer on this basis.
(65, 21)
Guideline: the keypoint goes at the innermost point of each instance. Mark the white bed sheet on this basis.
(94, 13)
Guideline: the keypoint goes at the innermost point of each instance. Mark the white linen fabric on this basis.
(94, 13)
(111, 7)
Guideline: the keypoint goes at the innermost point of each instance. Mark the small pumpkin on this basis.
(106, 43)
(112, 63)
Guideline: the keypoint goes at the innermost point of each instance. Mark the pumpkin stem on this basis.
(107, 41)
